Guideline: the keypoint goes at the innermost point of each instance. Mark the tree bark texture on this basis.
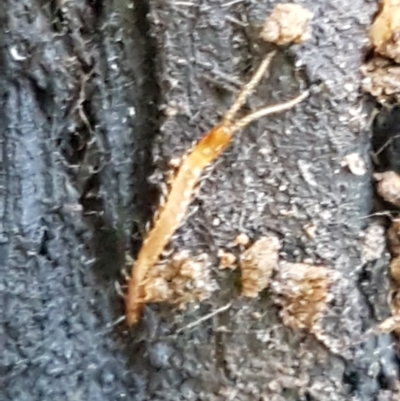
(96, 97)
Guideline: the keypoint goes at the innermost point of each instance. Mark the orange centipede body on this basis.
(182, 189)
(173, 213)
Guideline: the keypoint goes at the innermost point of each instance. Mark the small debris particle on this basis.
(382, 80)
(386, 29)
(302, 292)
(256, 315)
(354, 163)
(181, 280)
(288, 23)
(242, 240)
(216, 222)
(16, 55)
(171, 110)
(393, 235)
(373, 242)
(257, 264)
(388, 186)
(310, 230)
(175, 162)
(227, 260)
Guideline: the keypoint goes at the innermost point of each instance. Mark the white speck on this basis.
(175, 162)
(15, 55)
(248, 180)
(132, 111)
(114, 66)
(305, 171)
(349, 87)
(216, 222)
(263, 151)
(354, 163)
(326, 215)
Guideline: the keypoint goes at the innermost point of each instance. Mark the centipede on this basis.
(172, 214)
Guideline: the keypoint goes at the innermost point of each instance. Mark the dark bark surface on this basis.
(96, 97)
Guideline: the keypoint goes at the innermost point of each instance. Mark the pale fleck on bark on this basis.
(355, 163)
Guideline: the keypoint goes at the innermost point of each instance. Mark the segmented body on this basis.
(183, 186)
(173, 213)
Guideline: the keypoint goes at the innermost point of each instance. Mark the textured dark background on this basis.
(98, 95)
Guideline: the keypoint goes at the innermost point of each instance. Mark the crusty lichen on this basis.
(393, 234)
(385, 30)
(381, 79)
(302, 291)
(257, 264)
(288, 23)
(382, 73)
(388, 187)
(180, 280)
(393, 239)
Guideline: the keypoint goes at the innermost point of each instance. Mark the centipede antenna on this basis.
(248, 89)
(265, 111)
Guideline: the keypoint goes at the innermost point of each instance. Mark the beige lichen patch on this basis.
(393, 236)
(388, 186)
(227, 260)
(302, 291)
(385, 31)
(392, 324)
(288, 23)
(257, 264)
(382, 79)
(181, 280)
(382, 74)
(395, 271)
